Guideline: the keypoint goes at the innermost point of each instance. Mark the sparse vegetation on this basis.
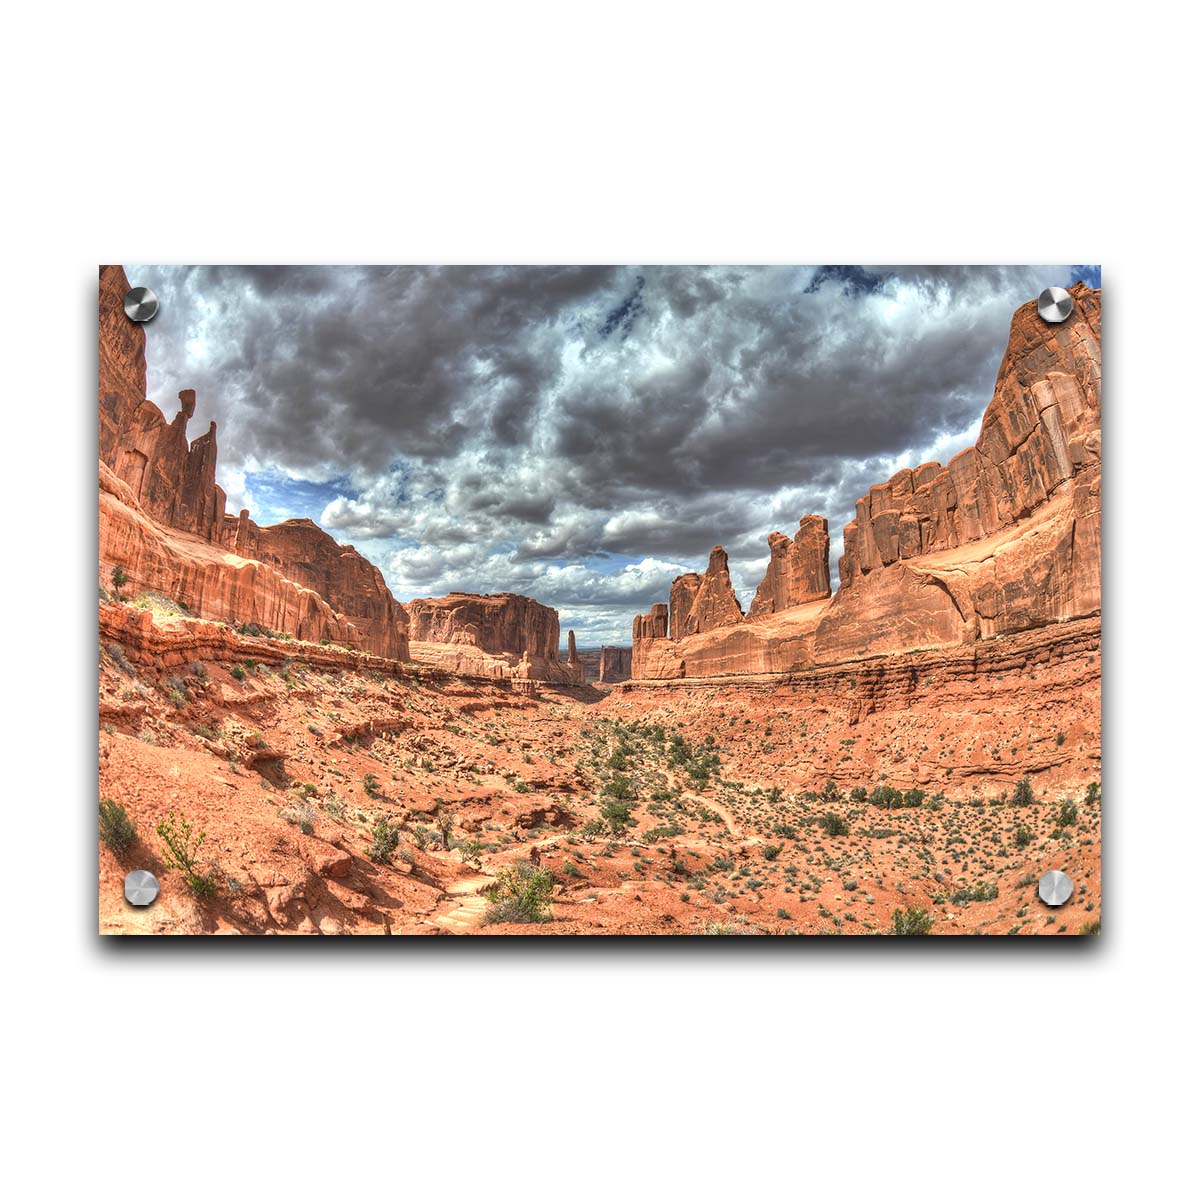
(1023, 793)
(385, 837)
(912, 921)
(181, 846)
(521, 894)
(117, 830)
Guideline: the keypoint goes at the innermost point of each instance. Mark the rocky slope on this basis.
(1005, 538)
(163, 520)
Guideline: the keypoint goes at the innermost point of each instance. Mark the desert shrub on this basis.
(885, 796)
(1091, 928)
(1023, 793)
(914, 798)
(520, 894)
(834, 824)
(1093, 793)
(372, 786)
(983, 890)
(199, 670)
(471, 851)
(858, 794)
(912, 921)
(117, 831)
(1023, 836)
(385, 837)
(238, 672)
(1068, 813)
(1059, 738)
(617, 815)
(334, 807)
(618, 787)
(181, 846)
(301, 814)
(771, 853)
(120, 577)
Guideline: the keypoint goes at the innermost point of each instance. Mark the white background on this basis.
(275, 133)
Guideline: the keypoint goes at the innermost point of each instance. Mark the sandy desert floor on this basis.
(643, 810)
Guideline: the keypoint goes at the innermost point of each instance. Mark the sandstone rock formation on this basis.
(501, 625)
(306, 554)
(163, 520)
(1005, 538)
(703, 602)
(798, 572)
(616, 663)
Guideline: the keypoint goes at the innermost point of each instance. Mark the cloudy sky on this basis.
(578, 434)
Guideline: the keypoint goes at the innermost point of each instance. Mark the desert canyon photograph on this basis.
(599, 600)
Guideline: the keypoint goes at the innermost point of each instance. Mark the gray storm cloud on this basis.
(580, 433)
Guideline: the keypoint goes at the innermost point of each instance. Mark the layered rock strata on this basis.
(163, 520)
(517, 631)
(1005, 538)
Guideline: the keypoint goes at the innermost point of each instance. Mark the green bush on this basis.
(1023, 836)
(1023, 793)
(238, 672)
(617, 815)
(911, 922)
(385, 837)
(834, 825)
(975, 891)
(520, 894)
(1093, 793)
(1068, 813)
(120, 577)
(885, 796)
(117, 831)
(771, 853)
(180, 850)
(619, 787)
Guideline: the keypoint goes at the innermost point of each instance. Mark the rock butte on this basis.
(616, 663)
(498, 635)
(1003, 540)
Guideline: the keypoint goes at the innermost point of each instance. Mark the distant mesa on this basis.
(1003, 539)
(502, 635)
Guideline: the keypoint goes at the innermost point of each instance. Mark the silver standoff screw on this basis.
(140, 304)
(1054, 305)
(1055, 888)
(141, 888)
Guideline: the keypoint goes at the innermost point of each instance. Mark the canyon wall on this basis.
(1004, 538)
(163, 520)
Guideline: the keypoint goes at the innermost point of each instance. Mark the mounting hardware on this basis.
(140, 304)
(141, 888)
(1055, 304)
(1055, 888)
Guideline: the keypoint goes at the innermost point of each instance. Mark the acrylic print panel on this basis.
(600, 600)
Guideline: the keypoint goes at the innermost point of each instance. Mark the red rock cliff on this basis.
(798, 572)
(169, 488)
(1005, 538)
